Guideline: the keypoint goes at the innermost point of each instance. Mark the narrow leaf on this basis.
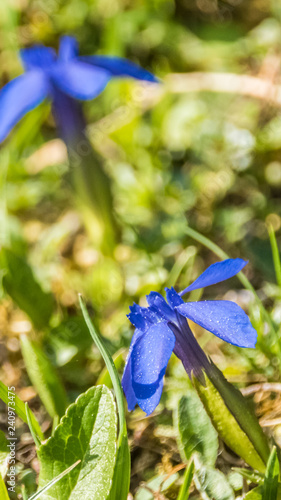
(43, 377)
(19, 408)
(4, 454)
(256, 493)
(30, 425)
(227, 426)
(3, 490)
(39, 493)
(20, 283)
(187, 478)
(87, 432)
(119, 362)
(23, 492)
(242, 412)
(121, 478)
(156, 486)
(270, 486)
(196, 432)
(275, 254)
(249, 474)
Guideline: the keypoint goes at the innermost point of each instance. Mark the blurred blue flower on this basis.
(60, 78)
(161, 328)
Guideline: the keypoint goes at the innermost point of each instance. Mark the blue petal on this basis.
(20, 96)
(223, 318)
(80, 80)
(138, 321)
(119, 66)
(127, 381)
(37, 57)
(68, 48)
(150, 356)
(143, 317)
(173, 298)
(158, 304)
(220, 271)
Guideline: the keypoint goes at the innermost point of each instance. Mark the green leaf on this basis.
(187, 478)
(196, 432)
(270, 485)
(275, 254)
(250, 475)
(43, 377)
(235, 427)
(4, 454)
(39, 493)
(19, 407)
(212, 483)
(257, 493)
(88, 433)
(118, 358)
(30, 425)
(3, 490)
(20, 284)
(160, 483)
(121, 477)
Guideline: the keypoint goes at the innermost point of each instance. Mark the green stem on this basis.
(121, 477)
(275, 254)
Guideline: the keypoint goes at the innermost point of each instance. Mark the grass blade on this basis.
(275, 254)
(19, 408)
(187, 478)
(121, 477)
(31, 427)
(270, 486)
(44, 377)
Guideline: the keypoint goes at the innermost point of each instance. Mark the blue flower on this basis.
(161, 328)
(58, 77)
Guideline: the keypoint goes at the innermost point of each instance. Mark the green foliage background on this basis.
(210, 160)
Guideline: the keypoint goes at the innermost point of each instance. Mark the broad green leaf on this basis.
(196, 432)
(4, 454)
(44, 377)
(88, 433)
(212, 483)
(187, 478)
(19, 282)
(3, 490)
(226, 425)
(121, 477)
(270, 485)
(19, 407)
(39, 493)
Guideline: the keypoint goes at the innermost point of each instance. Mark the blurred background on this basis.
(201, 150)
